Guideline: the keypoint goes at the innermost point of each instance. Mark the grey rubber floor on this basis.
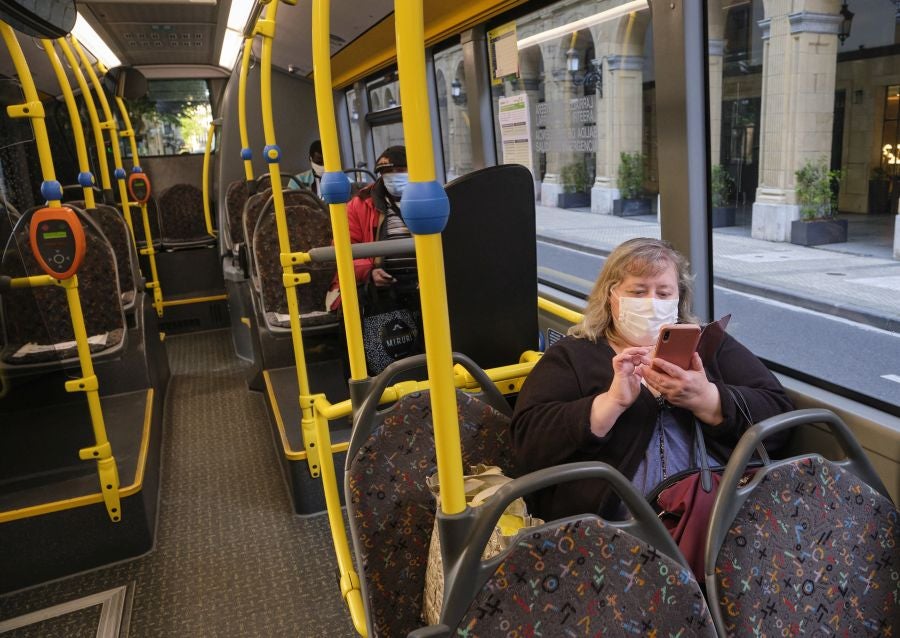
(231, 559)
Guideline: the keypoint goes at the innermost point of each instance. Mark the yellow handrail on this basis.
(207, 216)
(425, 209)
(128, 133)
(101, 451)
(110, 125)
(335, 187)
(246, 151)
(560, 311)
(92, 115)
(85, 178)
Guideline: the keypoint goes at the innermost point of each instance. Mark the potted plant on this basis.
(816, 198)
(879, 191)
(722, 185)
(631, 186)
(575, 181)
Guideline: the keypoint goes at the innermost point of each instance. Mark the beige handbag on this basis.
(480, 485)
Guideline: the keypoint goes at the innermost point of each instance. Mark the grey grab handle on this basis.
(383, 248)
(730, 498)
(362, 422)
(465, 535)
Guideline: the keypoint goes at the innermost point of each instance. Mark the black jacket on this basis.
(551, 423)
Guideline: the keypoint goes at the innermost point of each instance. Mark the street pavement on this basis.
(858, 280)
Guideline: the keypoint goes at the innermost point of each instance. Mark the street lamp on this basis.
(846, 20)
(572, 60)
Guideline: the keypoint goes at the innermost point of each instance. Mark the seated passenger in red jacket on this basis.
(373, 215)
(594, 395)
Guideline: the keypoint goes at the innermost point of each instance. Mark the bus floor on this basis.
(230, 559)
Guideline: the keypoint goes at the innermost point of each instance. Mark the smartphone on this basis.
(676, 343)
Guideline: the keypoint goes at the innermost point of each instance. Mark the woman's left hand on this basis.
(688, 389)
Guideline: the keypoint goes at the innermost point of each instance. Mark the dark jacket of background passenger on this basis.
(551, 423)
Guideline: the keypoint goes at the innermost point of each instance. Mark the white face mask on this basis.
(318, 169)
(640, 318)
(395, 183)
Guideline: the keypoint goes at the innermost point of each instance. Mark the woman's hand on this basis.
(628, 367)
(689, 389)
(381, 278)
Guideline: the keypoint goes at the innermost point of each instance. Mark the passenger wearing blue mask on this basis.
(373, 215)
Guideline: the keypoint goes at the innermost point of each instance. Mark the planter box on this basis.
(573, 200)
(819, 231)
(631, 207)
(722, 216)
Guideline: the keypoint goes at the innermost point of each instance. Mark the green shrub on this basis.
(575, 178)
(722, 185)
(814, 189)
(631, 175)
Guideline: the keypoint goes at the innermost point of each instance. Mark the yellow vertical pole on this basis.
(94, 117)
(113, 130)
(246, 152)
(128, 133)
(335, 187)
(85, 178)
(425, 210)
(207, 215)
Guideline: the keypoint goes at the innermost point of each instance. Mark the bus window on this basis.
(456, 140)
(387, 135)
(804, 189)
(172, 119)
(355, 113)
(384, 93)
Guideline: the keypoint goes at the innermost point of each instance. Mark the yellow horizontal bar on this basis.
(92, 499)
(34, 281)
(292, 259)
(245, 321)
(184, 302)
(560, 311)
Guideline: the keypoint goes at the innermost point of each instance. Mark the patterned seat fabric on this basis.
(308, 227)
(249, 216)
(813, 551)
(586, 578)
(391, 510)
(235, 199)
(138, 222)
(116, 231)
(41, 315)
(181, 215)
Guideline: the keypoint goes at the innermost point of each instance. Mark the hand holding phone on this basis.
(677, 343)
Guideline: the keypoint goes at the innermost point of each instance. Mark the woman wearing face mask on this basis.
(373, 215)
(594, 396)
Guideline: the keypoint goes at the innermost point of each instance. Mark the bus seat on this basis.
(40, 316)
(264, 181)
(809, 544)
(138, 222)
(308, 227)
(362, 178)
(8, 218)
(579, 575)
(116, 231)
(490, 263)
(390, 510)
(249, 216)
(181, 217)
(235, 198)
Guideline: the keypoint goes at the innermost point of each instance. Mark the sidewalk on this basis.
(857, 280)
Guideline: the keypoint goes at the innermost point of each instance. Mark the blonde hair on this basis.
(640, 257)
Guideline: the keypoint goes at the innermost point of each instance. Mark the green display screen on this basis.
(57, 234)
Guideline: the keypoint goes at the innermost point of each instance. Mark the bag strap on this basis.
(740, 403)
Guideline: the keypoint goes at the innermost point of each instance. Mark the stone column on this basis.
(716, 50)
(620, 123)
(558, 90)
(799, 71)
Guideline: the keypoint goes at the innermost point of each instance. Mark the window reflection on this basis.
(450, 79)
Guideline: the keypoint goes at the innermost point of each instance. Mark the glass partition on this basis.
(456, 139)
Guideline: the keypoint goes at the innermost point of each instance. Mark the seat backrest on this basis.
(116, 231)
(308, 227)
(390, 510)
(253, 208)
(492, 216)
(181, 214)
(235, 199)
(41, 315)
(809, 545)
(577, 576)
